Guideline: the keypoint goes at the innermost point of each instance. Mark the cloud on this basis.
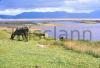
(83, 4)
(6, 4)
(88, 1)
(15, 7)
(84, 1)
(19, 11)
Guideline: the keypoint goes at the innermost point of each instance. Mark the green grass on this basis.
(20, 54)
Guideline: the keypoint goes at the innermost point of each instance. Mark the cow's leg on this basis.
(23, 37)
(12, 36)
(44, 36)
(18, 37)
(26, 37)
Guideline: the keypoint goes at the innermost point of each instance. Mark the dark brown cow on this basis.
(21, 31)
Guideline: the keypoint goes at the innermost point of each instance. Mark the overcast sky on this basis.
(14, 7)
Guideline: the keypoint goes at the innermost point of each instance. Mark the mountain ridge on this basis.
(60, 14)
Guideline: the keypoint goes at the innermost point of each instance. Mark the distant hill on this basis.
(30, 15)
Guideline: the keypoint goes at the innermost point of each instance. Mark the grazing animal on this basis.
(39, 35)
(20, 31)
(61, 38)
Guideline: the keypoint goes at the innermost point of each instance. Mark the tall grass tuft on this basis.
(91, 48)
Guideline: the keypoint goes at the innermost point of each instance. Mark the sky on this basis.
(14, 7)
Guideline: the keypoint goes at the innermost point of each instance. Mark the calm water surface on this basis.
(68, 27)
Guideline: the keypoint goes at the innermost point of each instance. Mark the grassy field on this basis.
(20, 54)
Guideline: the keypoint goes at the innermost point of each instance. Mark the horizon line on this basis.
(54, 19)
